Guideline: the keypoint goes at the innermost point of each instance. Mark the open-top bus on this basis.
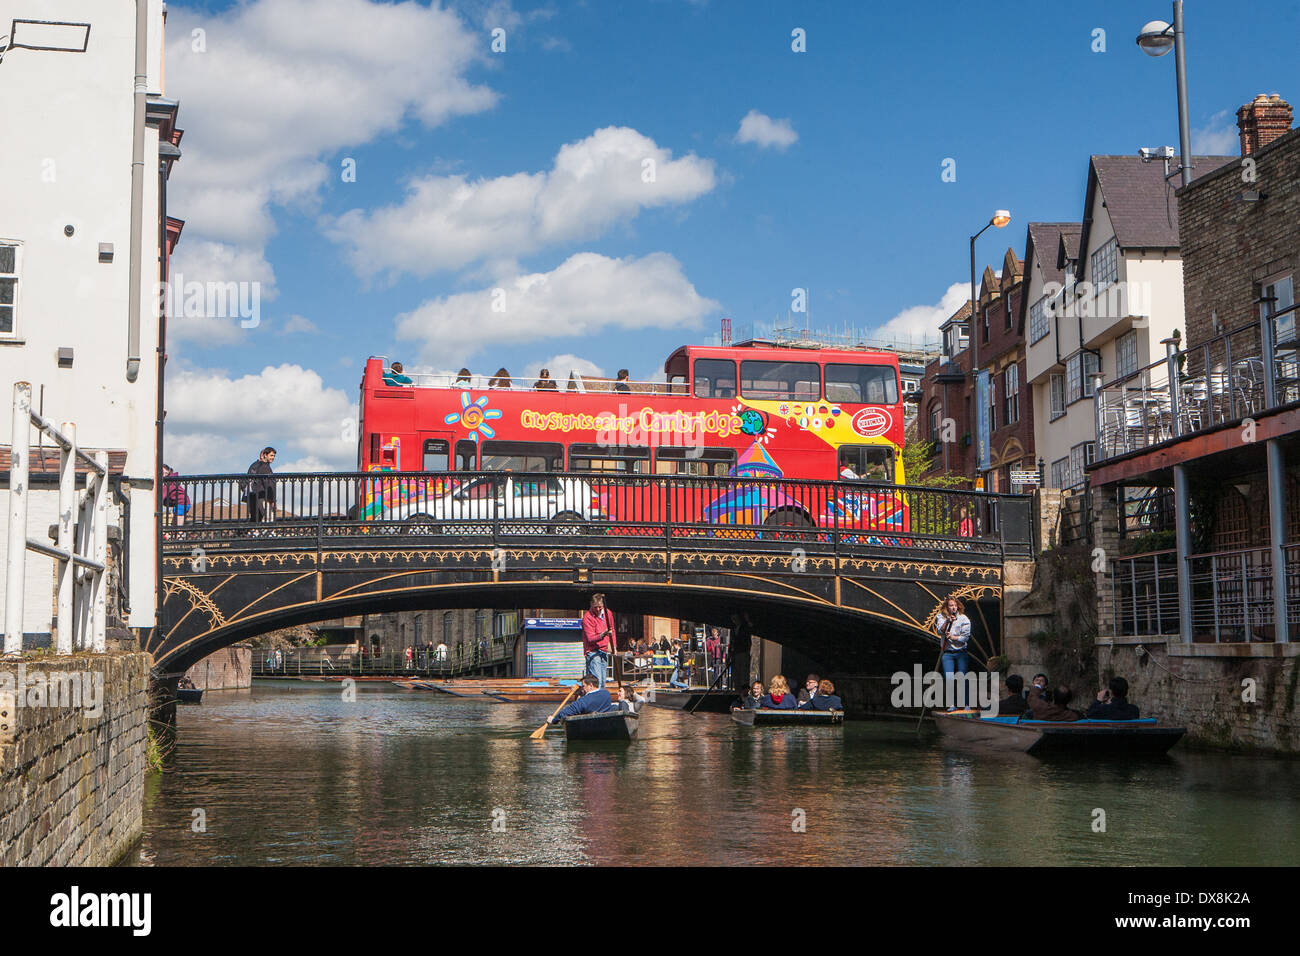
(572, 451)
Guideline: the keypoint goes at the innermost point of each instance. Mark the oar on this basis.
(540, 732)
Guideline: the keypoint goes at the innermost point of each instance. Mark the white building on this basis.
(1101, 296)
(84, 164)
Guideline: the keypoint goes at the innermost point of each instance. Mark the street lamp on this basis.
(1156, 39)
(1000, 218)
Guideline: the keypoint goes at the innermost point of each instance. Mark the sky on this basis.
(590, 184)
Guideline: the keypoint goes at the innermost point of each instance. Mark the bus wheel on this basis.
(566, 522)
(420, 524)
(787, 518)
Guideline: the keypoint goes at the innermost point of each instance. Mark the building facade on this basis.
(84, 241)
(1005, 419)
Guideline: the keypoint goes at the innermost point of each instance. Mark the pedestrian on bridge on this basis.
(598, 638)
(260, 490)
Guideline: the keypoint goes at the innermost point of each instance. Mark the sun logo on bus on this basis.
(473, 415)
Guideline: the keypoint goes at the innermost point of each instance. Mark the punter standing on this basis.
(598, 639)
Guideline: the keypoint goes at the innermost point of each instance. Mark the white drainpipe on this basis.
(137, 188)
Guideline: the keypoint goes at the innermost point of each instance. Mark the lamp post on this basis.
(1156, 39)
(1000, 218)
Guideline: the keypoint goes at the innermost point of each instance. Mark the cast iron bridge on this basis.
(843, 571)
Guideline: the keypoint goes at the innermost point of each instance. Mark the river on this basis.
(292, 774)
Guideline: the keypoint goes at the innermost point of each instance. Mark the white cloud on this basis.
(283, 84)
(295, 324)
(218, 424)
(587, 294)
(449, 222)
(560, 366)
(1218, 137)
(765, 132)
(921, 322)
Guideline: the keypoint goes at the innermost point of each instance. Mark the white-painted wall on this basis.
(67, 161)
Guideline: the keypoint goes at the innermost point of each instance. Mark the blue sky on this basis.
(457, 189)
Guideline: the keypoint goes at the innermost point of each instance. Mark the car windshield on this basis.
(477, 490)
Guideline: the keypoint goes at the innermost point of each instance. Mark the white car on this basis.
(507, 497)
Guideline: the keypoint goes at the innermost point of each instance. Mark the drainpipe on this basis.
(137, 188)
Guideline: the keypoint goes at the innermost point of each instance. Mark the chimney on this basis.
(1261, 121)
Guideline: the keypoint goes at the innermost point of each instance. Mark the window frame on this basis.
(1011, 394)
(1055, 411)
(1126, 347)
(15, 307)
(1040, 325)
(1085, 377)
(1103, 264)
(554, 454)
(713, 379)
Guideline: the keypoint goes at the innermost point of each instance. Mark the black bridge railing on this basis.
(315, 510)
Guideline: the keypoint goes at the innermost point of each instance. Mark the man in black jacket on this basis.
(260, 490)
(1112, 703)
(1013, 705)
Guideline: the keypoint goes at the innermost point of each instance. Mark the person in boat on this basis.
(824, 699)
(1054, 706)
(680, 667)
(1013, 705)
(778, 695)
(811, 685)
(628, 702)
(754, 699)
(185, 684)
(1112, 703)
(953, 627)
(593, 699)
(396, 376)
(598, 638)
(1037, 688)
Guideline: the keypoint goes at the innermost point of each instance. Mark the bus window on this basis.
(522, 456)
(773, 381)
(466, 455)
(374, 448)
(436, 455)
(872, 384)
(871, 462)
(716, 462)
(603, 458)
(715, 378)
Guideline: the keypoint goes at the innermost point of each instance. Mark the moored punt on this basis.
(189, 695)
(787, 718)
(1040, 737)
(516, 690)
(611, 725)
(697, 701)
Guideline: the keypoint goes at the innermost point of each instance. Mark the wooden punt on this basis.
(1039, 737)
(697, 701)
(611, 725)
(189, 695)
(514, 690)
(787, 718)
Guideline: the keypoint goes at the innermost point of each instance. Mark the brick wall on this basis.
(72, 784)
(1229, 246)
(230, 668)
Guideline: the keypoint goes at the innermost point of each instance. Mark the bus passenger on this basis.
(544, 380)
(846, 468)
(620, 384)
(500, 380)
(778, 695)
(462, 379)
(395, 376)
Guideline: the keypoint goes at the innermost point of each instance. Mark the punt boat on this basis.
(1040, 737)
(787, 718)
(697, 701)
(189, 695)
(611, 725)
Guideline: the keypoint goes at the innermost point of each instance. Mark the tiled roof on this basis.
(1142, 207)
(46, 460)
(1044, 243)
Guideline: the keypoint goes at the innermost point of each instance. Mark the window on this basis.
(993, 403)
(1008, 303)
(1081, 456)
(10, 262)
(522, 456)
(874, 384)
(610, 460)
(1039, 325)
(1060, 472)
(717, 462)
(1079, 372)
(934, 422)
(436, 455)
(954, 340)
(986, 325)
(1057, 396)
(1105, 264)
(419, 627)
(1126, 354)
(715, 378)
(870, 462)
(799, 381)
(466, 455)
(1278, 295)
(1011, 393)
(484, 489)
(446, 628)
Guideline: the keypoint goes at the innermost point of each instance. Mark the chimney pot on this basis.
(1261, 121)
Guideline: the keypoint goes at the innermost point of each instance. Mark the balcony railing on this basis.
(1231, 599)
(1225, 379)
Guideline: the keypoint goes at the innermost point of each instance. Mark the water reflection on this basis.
(292, 774)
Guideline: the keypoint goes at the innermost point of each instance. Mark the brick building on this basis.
(1001, 353)
(944, 401)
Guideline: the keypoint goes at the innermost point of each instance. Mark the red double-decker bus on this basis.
(748, 411)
